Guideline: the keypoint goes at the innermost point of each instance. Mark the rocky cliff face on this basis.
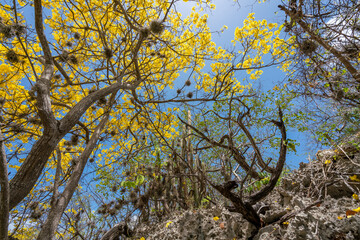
(317, 201)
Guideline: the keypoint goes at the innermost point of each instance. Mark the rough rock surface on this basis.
(215, 223)
(313, 202)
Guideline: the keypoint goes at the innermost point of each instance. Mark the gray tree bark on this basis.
(4, 191)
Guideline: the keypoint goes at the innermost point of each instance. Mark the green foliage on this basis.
(291, 144)
(133, 184)
(257, 185)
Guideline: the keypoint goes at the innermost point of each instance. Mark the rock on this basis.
(331, 219)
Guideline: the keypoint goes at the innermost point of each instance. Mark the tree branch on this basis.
(244, 208)
(279, 166)
(238, 157)
(79, 109)
(26, 177)
(116, 231)
(297, 18)
(256, 149)
(42, 85)
(39, 26)
(61, 203)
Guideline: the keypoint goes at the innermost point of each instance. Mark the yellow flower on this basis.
(340, 217)
(167, 224)
(285, 223)
(5, 68)
(356, 209)
(216, 218)
(247, 63)
(251, 16)
(355, 196)
(272, 25)
(354, 178)
(253, 76)
(327, 161)
(276, 88)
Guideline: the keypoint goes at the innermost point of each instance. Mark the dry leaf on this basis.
(222, 225)
(350, 212)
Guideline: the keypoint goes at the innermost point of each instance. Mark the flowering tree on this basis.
(93, 78)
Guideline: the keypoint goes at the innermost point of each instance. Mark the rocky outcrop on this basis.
(316, 201)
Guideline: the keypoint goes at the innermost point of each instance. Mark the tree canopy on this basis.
(115, 110)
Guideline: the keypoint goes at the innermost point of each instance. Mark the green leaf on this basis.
(128, 184)
(291, 146)
(140, 179)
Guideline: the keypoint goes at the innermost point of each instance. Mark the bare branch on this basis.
(256, 149)
(279, 166)
(39, 26)
(63, 72)
(116, 231)
(297, 17)
(240, 159)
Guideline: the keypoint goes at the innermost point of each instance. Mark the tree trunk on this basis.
(59, 206)
(4, 191)
(28, 174)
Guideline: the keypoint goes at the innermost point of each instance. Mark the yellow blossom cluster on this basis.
(257, 39)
